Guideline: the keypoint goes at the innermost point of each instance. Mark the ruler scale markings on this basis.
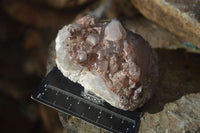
(90, 106)
(116, 131)
(86, 101)
(56, 91)
(99, 112)
(82, 116)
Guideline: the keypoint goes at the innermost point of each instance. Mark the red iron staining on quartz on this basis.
(124, 60)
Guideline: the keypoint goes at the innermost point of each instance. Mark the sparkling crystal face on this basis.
(123, 62)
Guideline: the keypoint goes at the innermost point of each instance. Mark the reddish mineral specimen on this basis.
(116, 64)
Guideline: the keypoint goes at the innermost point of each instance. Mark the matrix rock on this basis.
(115, 64)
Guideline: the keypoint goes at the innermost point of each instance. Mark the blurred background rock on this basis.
(26, 30)
(27, 27)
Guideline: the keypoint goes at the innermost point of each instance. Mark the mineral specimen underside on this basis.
(108, 60)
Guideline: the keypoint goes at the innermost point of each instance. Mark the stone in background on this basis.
(27, 29)
(181, 17)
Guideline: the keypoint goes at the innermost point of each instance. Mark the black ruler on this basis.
(66, 96)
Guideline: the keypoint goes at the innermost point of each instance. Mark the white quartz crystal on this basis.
(90, 81)
(114, 31)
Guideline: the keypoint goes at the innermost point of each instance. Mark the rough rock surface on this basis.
(107, 60)
(175, 106)
(157, 36)
(180, 17)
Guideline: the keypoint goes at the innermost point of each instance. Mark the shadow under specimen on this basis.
(179, 75)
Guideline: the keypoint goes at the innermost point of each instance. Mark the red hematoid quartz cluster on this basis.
(123, 59)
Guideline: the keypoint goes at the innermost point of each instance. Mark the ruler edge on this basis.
(74, 115)
(83, 118)
(44, 81)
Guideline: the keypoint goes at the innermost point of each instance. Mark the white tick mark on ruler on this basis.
(45, 85)
(89, 107)
(45, 89)
(67, 98)
(134, 124)
(69, 106)
(56, 93)
(127, 130)
(111, 117)
(98, 118)
(38, 96)
(78, 102)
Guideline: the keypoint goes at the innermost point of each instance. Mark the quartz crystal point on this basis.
(115, 64)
